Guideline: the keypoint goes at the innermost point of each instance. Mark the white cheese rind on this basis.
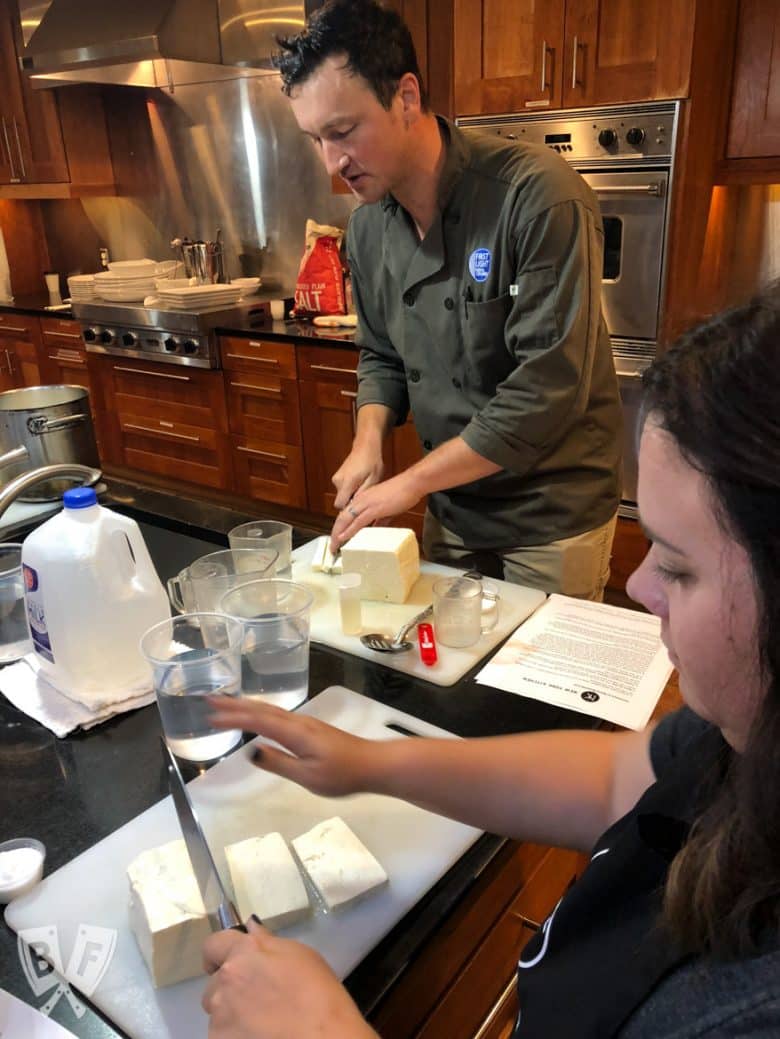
(387, 559)
(167, 914)
(338, 864)
(266, 881)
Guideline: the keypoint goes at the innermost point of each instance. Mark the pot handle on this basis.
(18, 454)
(40, 424)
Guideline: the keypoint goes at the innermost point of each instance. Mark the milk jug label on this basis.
(35, 613)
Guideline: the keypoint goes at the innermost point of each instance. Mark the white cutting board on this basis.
(516, 603)
(235, 800)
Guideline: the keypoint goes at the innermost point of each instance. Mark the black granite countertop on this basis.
(36, 303)
(72, 792)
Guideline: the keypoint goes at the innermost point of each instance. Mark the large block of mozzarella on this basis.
(267, 881)
(388, 560)
(339, 865)
(167, 913)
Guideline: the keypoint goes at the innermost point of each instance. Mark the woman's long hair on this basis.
(717, 392)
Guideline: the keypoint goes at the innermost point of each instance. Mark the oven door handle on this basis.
(627, 375)
(657, 189)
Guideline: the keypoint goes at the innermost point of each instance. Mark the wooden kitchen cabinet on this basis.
(754, 123)
(63, 356)
(169, 420)
(461, 984)
(328, 389)
(569, 53)
(53, 142)
(20, 345)
(265, 419)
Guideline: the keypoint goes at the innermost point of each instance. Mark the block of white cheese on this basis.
(339, 865)
(323, 560)
(267, 881)
(167, 913)
(388, 560)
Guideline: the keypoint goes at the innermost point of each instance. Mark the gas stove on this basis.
(173, 336)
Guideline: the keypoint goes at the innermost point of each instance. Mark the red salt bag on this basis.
(320, 285)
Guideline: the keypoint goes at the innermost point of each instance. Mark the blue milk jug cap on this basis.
(79, 498)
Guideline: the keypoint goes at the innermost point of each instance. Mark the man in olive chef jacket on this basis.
(476, 270)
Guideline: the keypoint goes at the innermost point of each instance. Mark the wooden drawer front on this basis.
(18, 326)
(58, 332)
(263, 407)
(327, 365)
(269, 471)
(258, 355)
(175, 449)
(196, 398)
(62, 365)
(327, 418)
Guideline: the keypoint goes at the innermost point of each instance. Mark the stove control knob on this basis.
(106, 336)
(635, 136)
(607, 138)
(89, 335)
(129, 339)
(190, 347)
(170, 345)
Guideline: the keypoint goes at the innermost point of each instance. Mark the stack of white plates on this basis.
(81, 286)
(117, 288)
(185, 297)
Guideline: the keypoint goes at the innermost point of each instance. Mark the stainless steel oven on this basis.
(626, 154)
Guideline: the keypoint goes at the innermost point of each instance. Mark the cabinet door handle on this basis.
(156, 375)
(161, 432)
(352, 394)
(63, 335)
(574, 63)
(543, 85)
(331, 368)
(19, 149)
(70, 356)
(263, 454)
(249, 386)
(9, 358)
(11, 166)
(249, 357)
(13, 328)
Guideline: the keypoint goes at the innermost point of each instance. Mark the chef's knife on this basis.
(220, 909)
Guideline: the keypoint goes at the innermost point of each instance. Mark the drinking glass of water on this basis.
(275, 652)
(14, 633)
(194, 656)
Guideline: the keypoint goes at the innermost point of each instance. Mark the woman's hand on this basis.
(322, 758)
(264, 987)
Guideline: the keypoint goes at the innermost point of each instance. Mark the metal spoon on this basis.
(383, 644)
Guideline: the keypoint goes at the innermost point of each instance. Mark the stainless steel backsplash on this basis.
(226, 154)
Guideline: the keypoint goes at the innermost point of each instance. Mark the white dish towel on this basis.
(27, 689)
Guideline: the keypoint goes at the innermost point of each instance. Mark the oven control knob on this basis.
(635, 136)
(106, 336)
(129, 339)
(89, 335)
(170, 345)
(607, 138)
(190, 347)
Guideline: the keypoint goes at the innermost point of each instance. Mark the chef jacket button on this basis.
(414, 375)
(449, 303)
(409, 299)
(457, 383)
(427, 445)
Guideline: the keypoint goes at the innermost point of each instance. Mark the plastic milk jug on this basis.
(91, 591)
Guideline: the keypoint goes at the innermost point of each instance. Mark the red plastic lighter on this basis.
(427, 644)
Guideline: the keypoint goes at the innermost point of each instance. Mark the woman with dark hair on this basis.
(674, 928)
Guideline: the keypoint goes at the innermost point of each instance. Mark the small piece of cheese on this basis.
(339, 865)
(266, 881)
(323, 560)
(167, 913)
(388, 560)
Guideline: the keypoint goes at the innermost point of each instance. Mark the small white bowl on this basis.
(248, 286)
(134, 268)
(20, 880)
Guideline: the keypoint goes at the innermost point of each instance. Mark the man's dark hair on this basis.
(374, 40)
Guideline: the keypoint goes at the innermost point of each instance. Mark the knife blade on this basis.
(221, 911)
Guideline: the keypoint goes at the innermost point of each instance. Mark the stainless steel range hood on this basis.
(158, 43)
